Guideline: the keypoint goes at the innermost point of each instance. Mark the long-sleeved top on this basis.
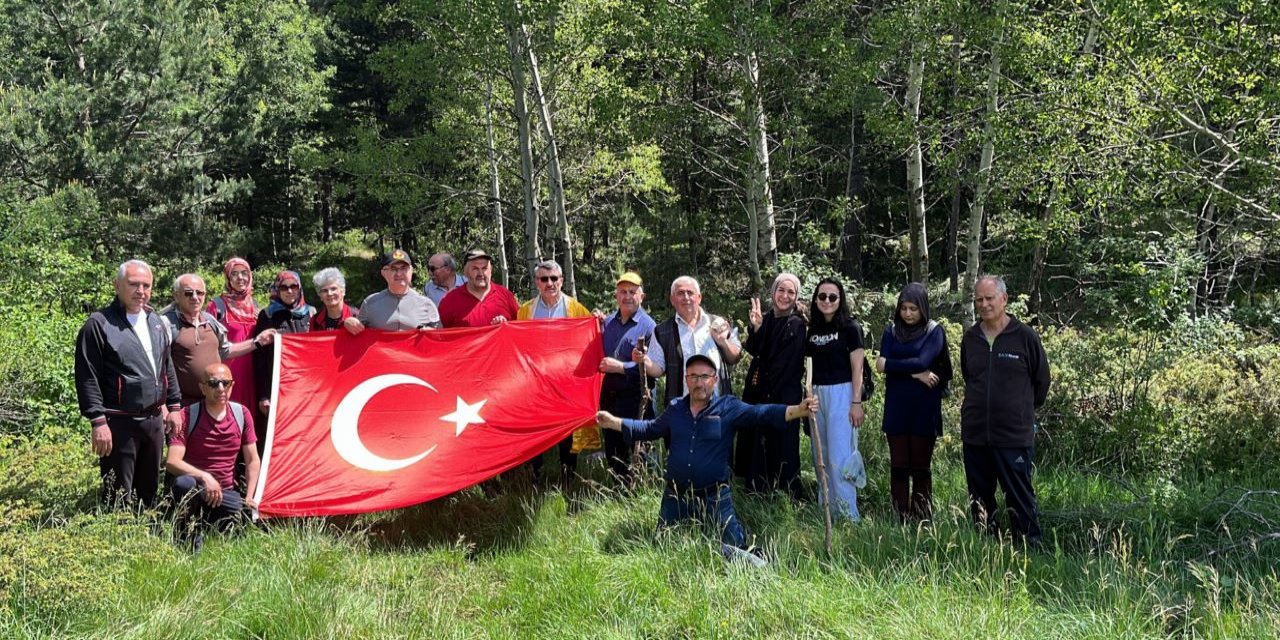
(777, 353)
(701, 444)
(621, 393)
(1004, 381)
(283, 321)
(113, 375)
(910, 406)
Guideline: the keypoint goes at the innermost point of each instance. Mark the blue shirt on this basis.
(701, 444)
(436, 292)
(621, 391)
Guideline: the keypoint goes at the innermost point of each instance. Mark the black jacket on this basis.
(777, 360)
(112, 374)
(283, 321)
(1004, 382)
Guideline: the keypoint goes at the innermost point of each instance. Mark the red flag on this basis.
(385, 420)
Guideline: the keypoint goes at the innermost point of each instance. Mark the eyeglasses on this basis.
(546, 279)
(289, 287)
(699, 377)
(215, 383)
(192, 293)
(827, 297)
(404, 268)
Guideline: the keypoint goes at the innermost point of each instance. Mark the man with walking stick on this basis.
(626, 390)
(701, 425)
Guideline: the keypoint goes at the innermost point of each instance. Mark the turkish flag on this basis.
(385, 420)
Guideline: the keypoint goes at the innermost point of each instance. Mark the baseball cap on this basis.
(475, 254)
(399, 255)
(698, 357)
(631, 277)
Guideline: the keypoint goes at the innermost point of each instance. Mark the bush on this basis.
(1195, 399)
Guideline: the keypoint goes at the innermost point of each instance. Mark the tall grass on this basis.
(1121, 561)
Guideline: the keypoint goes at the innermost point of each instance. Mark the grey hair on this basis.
(327, 275)
(997, 280)
(447, 261)
(785, 277)
(548, 265)
(124, 266)
(177, 282)
(686, 280)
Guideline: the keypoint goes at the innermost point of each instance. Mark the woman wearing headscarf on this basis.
(237, 311)
(769, 459)
(288, 312)
(835, 344)
(331, 286)
(915, 377)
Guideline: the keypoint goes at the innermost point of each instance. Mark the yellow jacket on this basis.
(572, 307)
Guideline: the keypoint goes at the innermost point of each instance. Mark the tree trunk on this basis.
(564, 239)
(915, 173)
(495, 185)
(855, 188)
(978, 209)
(532, 252)
(764, 234)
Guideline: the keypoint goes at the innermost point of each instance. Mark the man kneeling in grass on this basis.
(702, 425)
(202, 457)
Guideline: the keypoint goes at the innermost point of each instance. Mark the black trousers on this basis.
(1010, 468)
(568, 459)
(768, 459)
(131, 472)
(188, 495)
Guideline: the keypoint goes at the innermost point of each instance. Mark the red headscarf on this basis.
(240, 305)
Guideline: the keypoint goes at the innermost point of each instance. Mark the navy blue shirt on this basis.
(911, 407)
(701, 444)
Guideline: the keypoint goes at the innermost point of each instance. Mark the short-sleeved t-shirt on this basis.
(216, 443)
(830, 349)
(385, 310)
(459, 308)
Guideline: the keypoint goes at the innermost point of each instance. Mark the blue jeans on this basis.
(713, 505)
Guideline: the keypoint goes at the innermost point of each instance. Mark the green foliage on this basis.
(1197, 400)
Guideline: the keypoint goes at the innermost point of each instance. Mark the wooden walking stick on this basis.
(819, 458)
(639, 450)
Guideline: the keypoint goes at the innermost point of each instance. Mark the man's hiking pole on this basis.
(819, 459)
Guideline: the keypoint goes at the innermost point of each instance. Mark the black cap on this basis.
(698, 357)
(399, 255)
(475, 254)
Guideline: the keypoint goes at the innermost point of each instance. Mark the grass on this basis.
(1122, 560)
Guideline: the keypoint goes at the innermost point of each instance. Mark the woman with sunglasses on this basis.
(287, 313)
(914, 379)
(769, 459)
(237, 311)
(835, 345)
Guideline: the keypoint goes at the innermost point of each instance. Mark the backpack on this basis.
(237, 413)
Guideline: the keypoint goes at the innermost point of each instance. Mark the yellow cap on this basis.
(632, 278)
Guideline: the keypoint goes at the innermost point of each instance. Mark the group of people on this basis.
(181, 372)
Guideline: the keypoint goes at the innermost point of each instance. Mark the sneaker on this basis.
(735, 554)
(197, 542)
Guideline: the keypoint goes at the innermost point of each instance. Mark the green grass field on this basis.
(1122, 561)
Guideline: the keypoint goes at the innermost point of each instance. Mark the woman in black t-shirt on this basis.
(835, 344)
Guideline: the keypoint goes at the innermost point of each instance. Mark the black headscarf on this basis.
(916, 294)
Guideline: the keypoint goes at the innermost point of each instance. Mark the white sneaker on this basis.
(734, 554)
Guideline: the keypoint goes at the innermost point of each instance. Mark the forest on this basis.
(1118, 163)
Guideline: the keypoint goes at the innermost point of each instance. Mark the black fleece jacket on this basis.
(1004, 383)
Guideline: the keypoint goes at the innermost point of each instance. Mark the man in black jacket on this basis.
(127, 387)
(1006, 375)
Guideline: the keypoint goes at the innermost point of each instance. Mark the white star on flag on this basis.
(464, 415)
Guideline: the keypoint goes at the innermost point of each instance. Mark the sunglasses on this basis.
(215, 383)
(545, 279)
(827, 297)
(192, 293)
(432, 268)
(289, 287)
